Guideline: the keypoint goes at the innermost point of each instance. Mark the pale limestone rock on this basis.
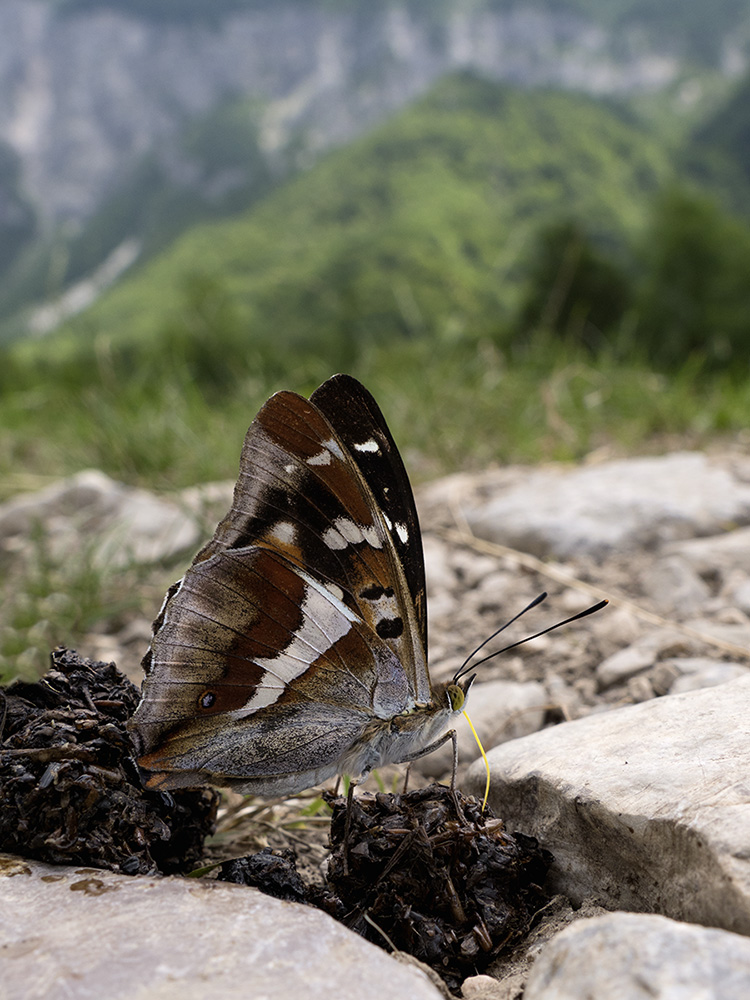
(615, 506)
(439, 575)
(480, 988)
(739, 595)
(695, 672)
(208, 499)
(645, 806)
(122, 523)
(72, 933)
(640, 689)
(736, 633)
(727, 551)
(471, 567)
(616, 627)
(494, 595)
(622, 665)
(641, 655)
(674, 585)
(637, 956)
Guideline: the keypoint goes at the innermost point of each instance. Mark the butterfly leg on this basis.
(348, 825)
(450, 735)
(406, 779)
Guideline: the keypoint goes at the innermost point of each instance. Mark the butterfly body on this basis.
(295, 647)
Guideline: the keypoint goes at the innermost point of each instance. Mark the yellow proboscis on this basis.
(484, 758)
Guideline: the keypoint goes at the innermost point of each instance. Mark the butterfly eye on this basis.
(207, 700)
(456, 697)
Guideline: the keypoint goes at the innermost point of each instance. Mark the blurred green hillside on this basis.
(516, 275)
(418, 228)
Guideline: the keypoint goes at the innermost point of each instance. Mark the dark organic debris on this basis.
(70, 790)
(452, 890)
(272, 871)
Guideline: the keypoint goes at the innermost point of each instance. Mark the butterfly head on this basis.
(457, 693)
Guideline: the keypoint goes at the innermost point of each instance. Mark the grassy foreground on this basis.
(450, 405)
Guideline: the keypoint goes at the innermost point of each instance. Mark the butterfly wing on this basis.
(352, 410)
(260, 676)
(296, 622)
(305, 491)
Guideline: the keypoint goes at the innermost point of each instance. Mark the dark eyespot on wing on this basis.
(374, 592)
(390, 628)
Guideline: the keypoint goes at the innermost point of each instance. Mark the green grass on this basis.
(50, 600)
(452, 405)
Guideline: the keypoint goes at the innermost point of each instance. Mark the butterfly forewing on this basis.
(352, 410)
(301, 491)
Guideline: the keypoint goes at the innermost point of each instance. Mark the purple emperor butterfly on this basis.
(295, 647)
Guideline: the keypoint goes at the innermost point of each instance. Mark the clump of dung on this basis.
(70, 789)
(427, 872)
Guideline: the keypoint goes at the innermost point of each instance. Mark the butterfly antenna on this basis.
(467, 665)
(581, 614)
(551, 628)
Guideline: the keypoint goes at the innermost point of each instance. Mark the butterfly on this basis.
(294, 649)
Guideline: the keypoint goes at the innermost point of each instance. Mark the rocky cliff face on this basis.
(86, 93)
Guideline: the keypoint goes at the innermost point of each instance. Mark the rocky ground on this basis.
(622, 742)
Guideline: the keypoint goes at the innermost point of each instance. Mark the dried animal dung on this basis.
(270, 870)
(448, 885)
(424, 872)
(70, 789)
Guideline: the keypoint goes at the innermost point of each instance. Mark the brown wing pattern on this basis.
(358, 420)
(302, 492)
(303, 617)
(246, 631)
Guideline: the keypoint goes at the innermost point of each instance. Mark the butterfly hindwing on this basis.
(249, 640)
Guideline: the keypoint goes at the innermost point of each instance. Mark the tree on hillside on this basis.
(572, 288)
(695, 297)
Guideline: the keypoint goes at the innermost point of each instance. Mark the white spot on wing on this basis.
(334, 589)
(345, 532)
(332, 445)
(370, 445)
(284, 532)
(323, 457)
(325, 620)
(388, 522)
(334, 539)
(402, 532)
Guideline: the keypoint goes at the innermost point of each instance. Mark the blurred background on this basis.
(525, 226)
